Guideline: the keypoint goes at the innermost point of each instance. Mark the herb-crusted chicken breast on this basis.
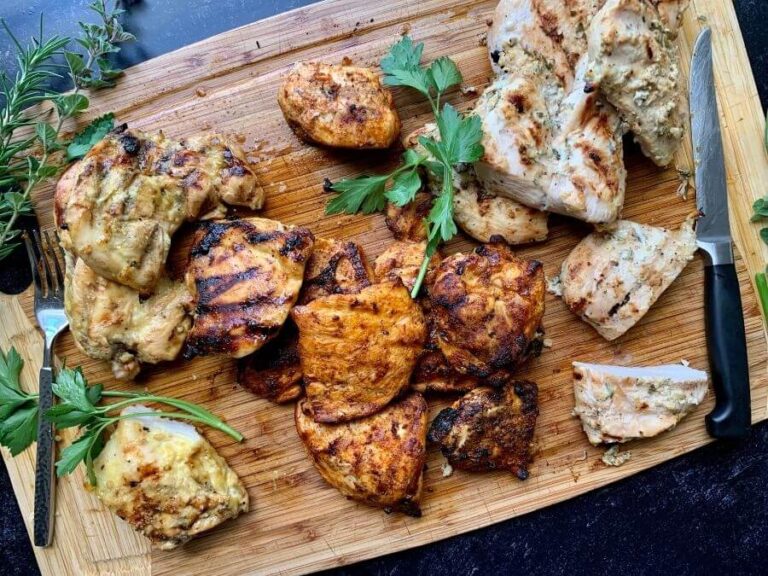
(166, 480)
(118, 207)
(274, 371)
(358, 350)
(377, 460)
(634, 62)
(245, 276)
(487, 307)
(613, 277)
(489, 429)
(339, 105)
(111, 321)
(617, 404)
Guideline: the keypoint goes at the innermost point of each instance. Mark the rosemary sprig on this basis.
(26, 156)
(79, 406)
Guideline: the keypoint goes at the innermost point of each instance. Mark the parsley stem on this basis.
(762, 291)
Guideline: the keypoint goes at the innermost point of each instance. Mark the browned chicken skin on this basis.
(402, 260)
(118, 207)
(407, 222)
(246, 275)
(489, 429)
(358, 350)
(377, 460)
(274, 372)
(338, 105)
(487, 307)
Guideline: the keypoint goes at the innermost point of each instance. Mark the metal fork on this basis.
(49, 311)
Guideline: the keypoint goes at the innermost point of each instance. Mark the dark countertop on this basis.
(702, 513)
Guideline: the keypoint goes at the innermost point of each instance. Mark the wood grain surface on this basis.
(297, 523)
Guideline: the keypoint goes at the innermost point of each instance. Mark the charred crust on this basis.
(496, 56)
(442, 424)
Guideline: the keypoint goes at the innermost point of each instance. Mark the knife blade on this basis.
(724, 319)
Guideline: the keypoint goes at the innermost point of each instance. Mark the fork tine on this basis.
(48, 275)
(52, 253)
(33, 263)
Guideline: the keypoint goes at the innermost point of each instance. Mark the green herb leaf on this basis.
(19, 429)
(362, 194)
(73, 454)
(68, 105)
(445, 73)
(405, 185)
(90, 135)
(764, 234)
(70, 387)
(403, 55)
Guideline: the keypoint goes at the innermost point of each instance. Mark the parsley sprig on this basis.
(79, 406)
(459, 143)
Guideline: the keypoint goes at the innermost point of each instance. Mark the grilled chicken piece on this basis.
(245, 275)
(335, 267)
(358, 350)
(617, 404)
(377, 460)
(402, 260)
(110, 321)
(433, 373)
(549, 144)
(487, 307)
(274, 372)
(634, 62)
(407, 222)
(613, 277)
(489, 429)
(118, 207)
(166, 480)
(338, 105)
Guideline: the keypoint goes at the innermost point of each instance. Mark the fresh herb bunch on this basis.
(28, 142)
(79, 406)
(459, 143)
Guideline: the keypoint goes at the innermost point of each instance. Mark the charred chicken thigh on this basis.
(118, 207)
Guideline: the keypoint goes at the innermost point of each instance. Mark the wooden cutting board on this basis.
(298, 524)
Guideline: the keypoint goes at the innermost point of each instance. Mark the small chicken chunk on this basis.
(489, 429)
(358, 350)
(634, 62)
(246, 275)
(110, 321)
(274, 371)
(617, 404)
(402, 260)
(487, 307)
(166, 480)
(613, 277)
(433, 373)
(407, 222)
(118, 207)
(377, 460)
(335, 267)
(338, 105)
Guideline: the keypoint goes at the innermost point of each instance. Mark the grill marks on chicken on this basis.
(166, 480)
(487, 307)
(118, 207)
(489, 429)
(110, 321)
(613, 277)
(338, 105)
(246, 275)
(358, 350)
(377, 460)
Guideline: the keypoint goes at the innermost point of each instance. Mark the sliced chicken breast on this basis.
(377, 460)
(613, 277)
(617, 404)
(164, 479)
(339, 105)
(635, 63)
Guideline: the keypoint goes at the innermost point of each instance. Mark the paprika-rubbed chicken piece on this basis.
(377, 460)
(110, 321)
(489, 429)
(245, 276)
(487, 308)
(118, 207)
(358, 350)
(274, 372)
(339, 105)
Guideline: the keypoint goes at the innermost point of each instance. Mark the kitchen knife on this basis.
(726, 342)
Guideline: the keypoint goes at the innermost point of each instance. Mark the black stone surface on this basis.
(702, 513)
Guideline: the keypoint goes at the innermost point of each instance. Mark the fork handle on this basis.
(44, 478)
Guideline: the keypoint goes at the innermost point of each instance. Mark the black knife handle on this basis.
(727, 346)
